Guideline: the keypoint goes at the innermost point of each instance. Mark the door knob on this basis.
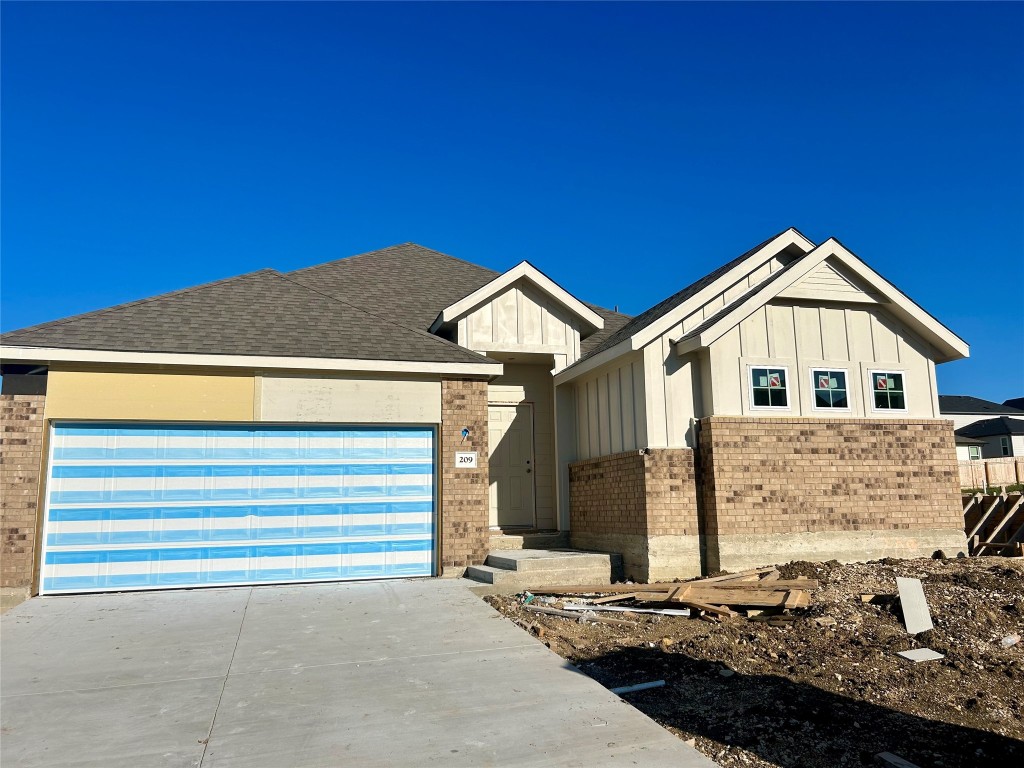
(528, 470)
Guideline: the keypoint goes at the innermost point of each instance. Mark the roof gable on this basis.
(261, 313)
(947, 344)
(829, 281)
(524, 271)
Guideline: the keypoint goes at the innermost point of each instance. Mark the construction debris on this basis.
(916, 616)
(638, 687)
(812, 694)
(595, 607)
(921, 654)
(717, 596)
(577, 616)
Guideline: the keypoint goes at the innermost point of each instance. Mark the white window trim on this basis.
(790, 389)
(1004, 446)
(974, 452)
(849, 389)
(871, 390)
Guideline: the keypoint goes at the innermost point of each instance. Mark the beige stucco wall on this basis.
(610, 409)
(149, 396)
(532, 384)
(349, 400)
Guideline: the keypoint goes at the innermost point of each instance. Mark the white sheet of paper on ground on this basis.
(921, 654)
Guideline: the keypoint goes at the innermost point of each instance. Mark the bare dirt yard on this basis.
(827, 689)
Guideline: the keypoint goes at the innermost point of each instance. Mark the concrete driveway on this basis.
(398, 673)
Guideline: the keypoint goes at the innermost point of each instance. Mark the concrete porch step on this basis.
(535, 568)
(529, 540)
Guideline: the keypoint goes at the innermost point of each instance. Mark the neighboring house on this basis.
(964, 409)
(968, 448)
(382, 415)
(1000, 438)
(1016, 402)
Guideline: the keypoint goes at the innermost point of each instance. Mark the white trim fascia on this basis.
(955, 347)
(755, 300)
(55, 355)
(591, 363)
(503, 281)
(663, 324)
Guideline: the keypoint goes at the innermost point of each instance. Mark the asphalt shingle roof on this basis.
(375, 306)
(659, 310)
(1003, 425)
(260, 313)
(967, 404)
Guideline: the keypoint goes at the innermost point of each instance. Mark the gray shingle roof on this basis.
(1004, 425)
(260, 313)
(413, 284)
(659, 310)
(967, 404)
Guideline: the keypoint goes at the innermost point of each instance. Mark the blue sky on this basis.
(625, 149)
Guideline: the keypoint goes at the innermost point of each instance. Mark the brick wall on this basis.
(21, 447)
(642, 505)
(778, 476)
(464, 512)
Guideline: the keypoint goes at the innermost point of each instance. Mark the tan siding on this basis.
(609, 409)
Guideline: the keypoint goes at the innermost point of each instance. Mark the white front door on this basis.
(510, 436)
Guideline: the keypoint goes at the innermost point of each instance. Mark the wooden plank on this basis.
(613, 598)
(996, 502)
(752, 597)
(772, 576)
(781, 585)
(916, 616)
(718, 610)
(652, 597)
(796, 598)
(733, 576)
(1004, 521)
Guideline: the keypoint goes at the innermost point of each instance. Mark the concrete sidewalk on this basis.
(397, 673)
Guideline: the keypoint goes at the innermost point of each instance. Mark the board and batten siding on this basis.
(858, 338)
(610, 409)
(521, 319)
(532, 384)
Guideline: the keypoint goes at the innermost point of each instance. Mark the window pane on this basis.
(896, 382)
(761, 397)
(839, 379)
(881, 400)
(778, 397)
(821, 399)
(896, 400)
(839, 398)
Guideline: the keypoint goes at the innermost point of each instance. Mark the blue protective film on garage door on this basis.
(151, 506)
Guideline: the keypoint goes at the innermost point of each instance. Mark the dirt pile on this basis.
(828, 689)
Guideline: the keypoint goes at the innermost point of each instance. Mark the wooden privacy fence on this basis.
(986, 473)
(994, 524)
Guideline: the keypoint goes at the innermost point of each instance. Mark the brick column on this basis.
(465, 501)
(21, 462)
(779, 489)
(642, 505)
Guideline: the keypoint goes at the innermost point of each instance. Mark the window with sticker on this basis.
(887, 391)
(830, 390)
(768, 387)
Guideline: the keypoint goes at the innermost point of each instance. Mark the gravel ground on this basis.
(828, 690)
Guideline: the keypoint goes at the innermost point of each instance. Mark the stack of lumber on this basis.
(718, 595)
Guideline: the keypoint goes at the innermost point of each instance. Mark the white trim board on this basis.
(947, 343)
(54, 355)
(522, 270)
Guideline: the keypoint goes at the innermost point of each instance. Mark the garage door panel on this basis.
(154, 506)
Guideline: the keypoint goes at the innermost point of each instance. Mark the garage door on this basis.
(155, 506)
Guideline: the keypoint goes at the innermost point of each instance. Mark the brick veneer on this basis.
(464, 508)
(815, 477)
(21, 448)
(642, 504)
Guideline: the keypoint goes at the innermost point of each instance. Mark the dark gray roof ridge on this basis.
(376, 251)
(967, 404)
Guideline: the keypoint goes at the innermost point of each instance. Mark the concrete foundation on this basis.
(739, 551)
